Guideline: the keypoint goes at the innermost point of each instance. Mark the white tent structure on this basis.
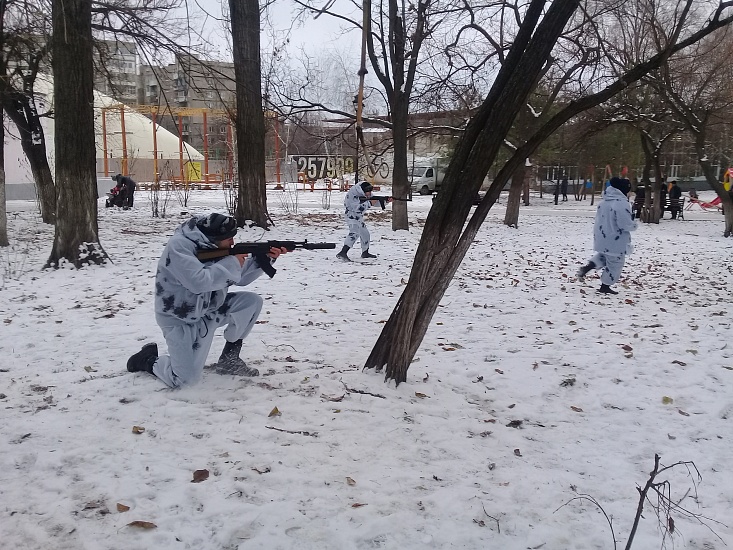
(138, 140)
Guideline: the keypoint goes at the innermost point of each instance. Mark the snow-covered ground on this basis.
(529, 392)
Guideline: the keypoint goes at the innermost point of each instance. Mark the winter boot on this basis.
(605, 289)
(366, 254)
(342, 255)
(144, 359)
(583, 271)
(230, 363)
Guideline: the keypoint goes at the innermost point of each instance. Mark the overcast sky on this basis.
(313, 35)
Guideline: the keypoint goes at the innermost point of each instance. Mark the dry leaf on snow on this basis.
(142, 524)
(200, 475)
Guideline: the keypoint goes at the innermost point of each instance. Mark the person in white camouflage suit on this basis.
(357, 201)
(192, 300)
(611, 235)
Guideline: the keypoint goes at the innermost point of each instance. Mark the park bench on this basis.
(638, 204)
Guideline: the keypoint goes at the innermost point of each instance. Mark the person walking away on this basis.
(564, 188)
(356, 202)
(192, 301)
(675, 194)
(611, 235)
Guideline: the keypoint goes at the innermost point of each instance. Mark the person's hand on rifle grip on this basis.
(275, 252)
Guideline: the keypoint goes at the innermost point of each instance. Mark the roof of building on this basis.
(138, 134)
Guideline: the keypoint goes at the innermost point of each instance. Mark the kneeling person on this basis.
(191, 302)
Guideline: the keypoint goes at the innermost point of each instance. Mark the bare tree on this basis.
(445, 241)
(19, 103)
(25, 50)
(392, 36)
(697, 88)
(76, 238)
(3, 78)
(250, 117)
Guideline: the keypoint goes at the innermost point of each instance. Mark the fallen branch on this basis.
(350, 390)
(295, 432)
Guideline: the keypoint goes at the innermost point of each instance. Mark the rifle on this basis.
(259, 251)
(382, 199)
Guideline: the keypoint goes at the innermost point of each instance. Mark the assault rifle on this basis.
(259, 251)
(382, 199)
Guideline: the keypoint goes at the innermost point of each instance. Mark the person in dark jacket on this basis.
(564, 188)
(675, 193)
(127, 187)
(611, 235)
(191, 302)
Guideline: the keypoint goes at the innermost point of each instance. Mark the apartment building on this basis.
(115, 75)
(193, 89)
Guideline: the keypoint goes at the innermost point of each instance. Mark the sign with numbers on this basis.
(317, 167)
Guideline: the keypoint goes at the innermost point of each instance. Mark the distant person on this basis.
(127, 190)
(693, 194)
(116, 196)
(638, 205)
(675, 194)
(564, 188)
(611, 235)
(587, 186)
(357, 201)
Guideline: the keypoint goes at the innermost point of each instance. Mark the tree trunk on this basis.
(250, 119)
(3, 76)
(22, 111)
(443, 246)
(3, 207)
(651, 211)
(400, 183)
(76, 238)
(511, 217)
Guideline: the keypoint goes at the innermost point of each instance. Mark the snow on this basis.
(434, 463)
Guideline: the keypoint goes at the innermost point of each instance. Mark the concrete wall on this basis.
(27, 191)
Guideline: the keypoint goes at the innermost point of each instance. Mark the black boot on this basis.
(144, 359)
(605, 289)
(342, 255)
(231, 349)
(583, 271)
(366, 254)
(230, 363)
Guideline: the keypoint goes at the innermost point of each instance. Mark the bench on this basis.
(670, 205)
(676, 204)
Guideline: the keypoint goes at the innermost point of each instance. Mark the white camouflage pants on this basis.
(189, 345)
(611, 264)
(357, 231)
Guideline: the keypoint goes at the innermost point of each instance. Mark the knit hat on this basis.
(621, 184)
(218, 227)
(366, 186)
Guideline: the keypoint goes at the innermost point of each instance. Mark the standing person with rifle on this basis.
(357, 201)
(191, 301)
